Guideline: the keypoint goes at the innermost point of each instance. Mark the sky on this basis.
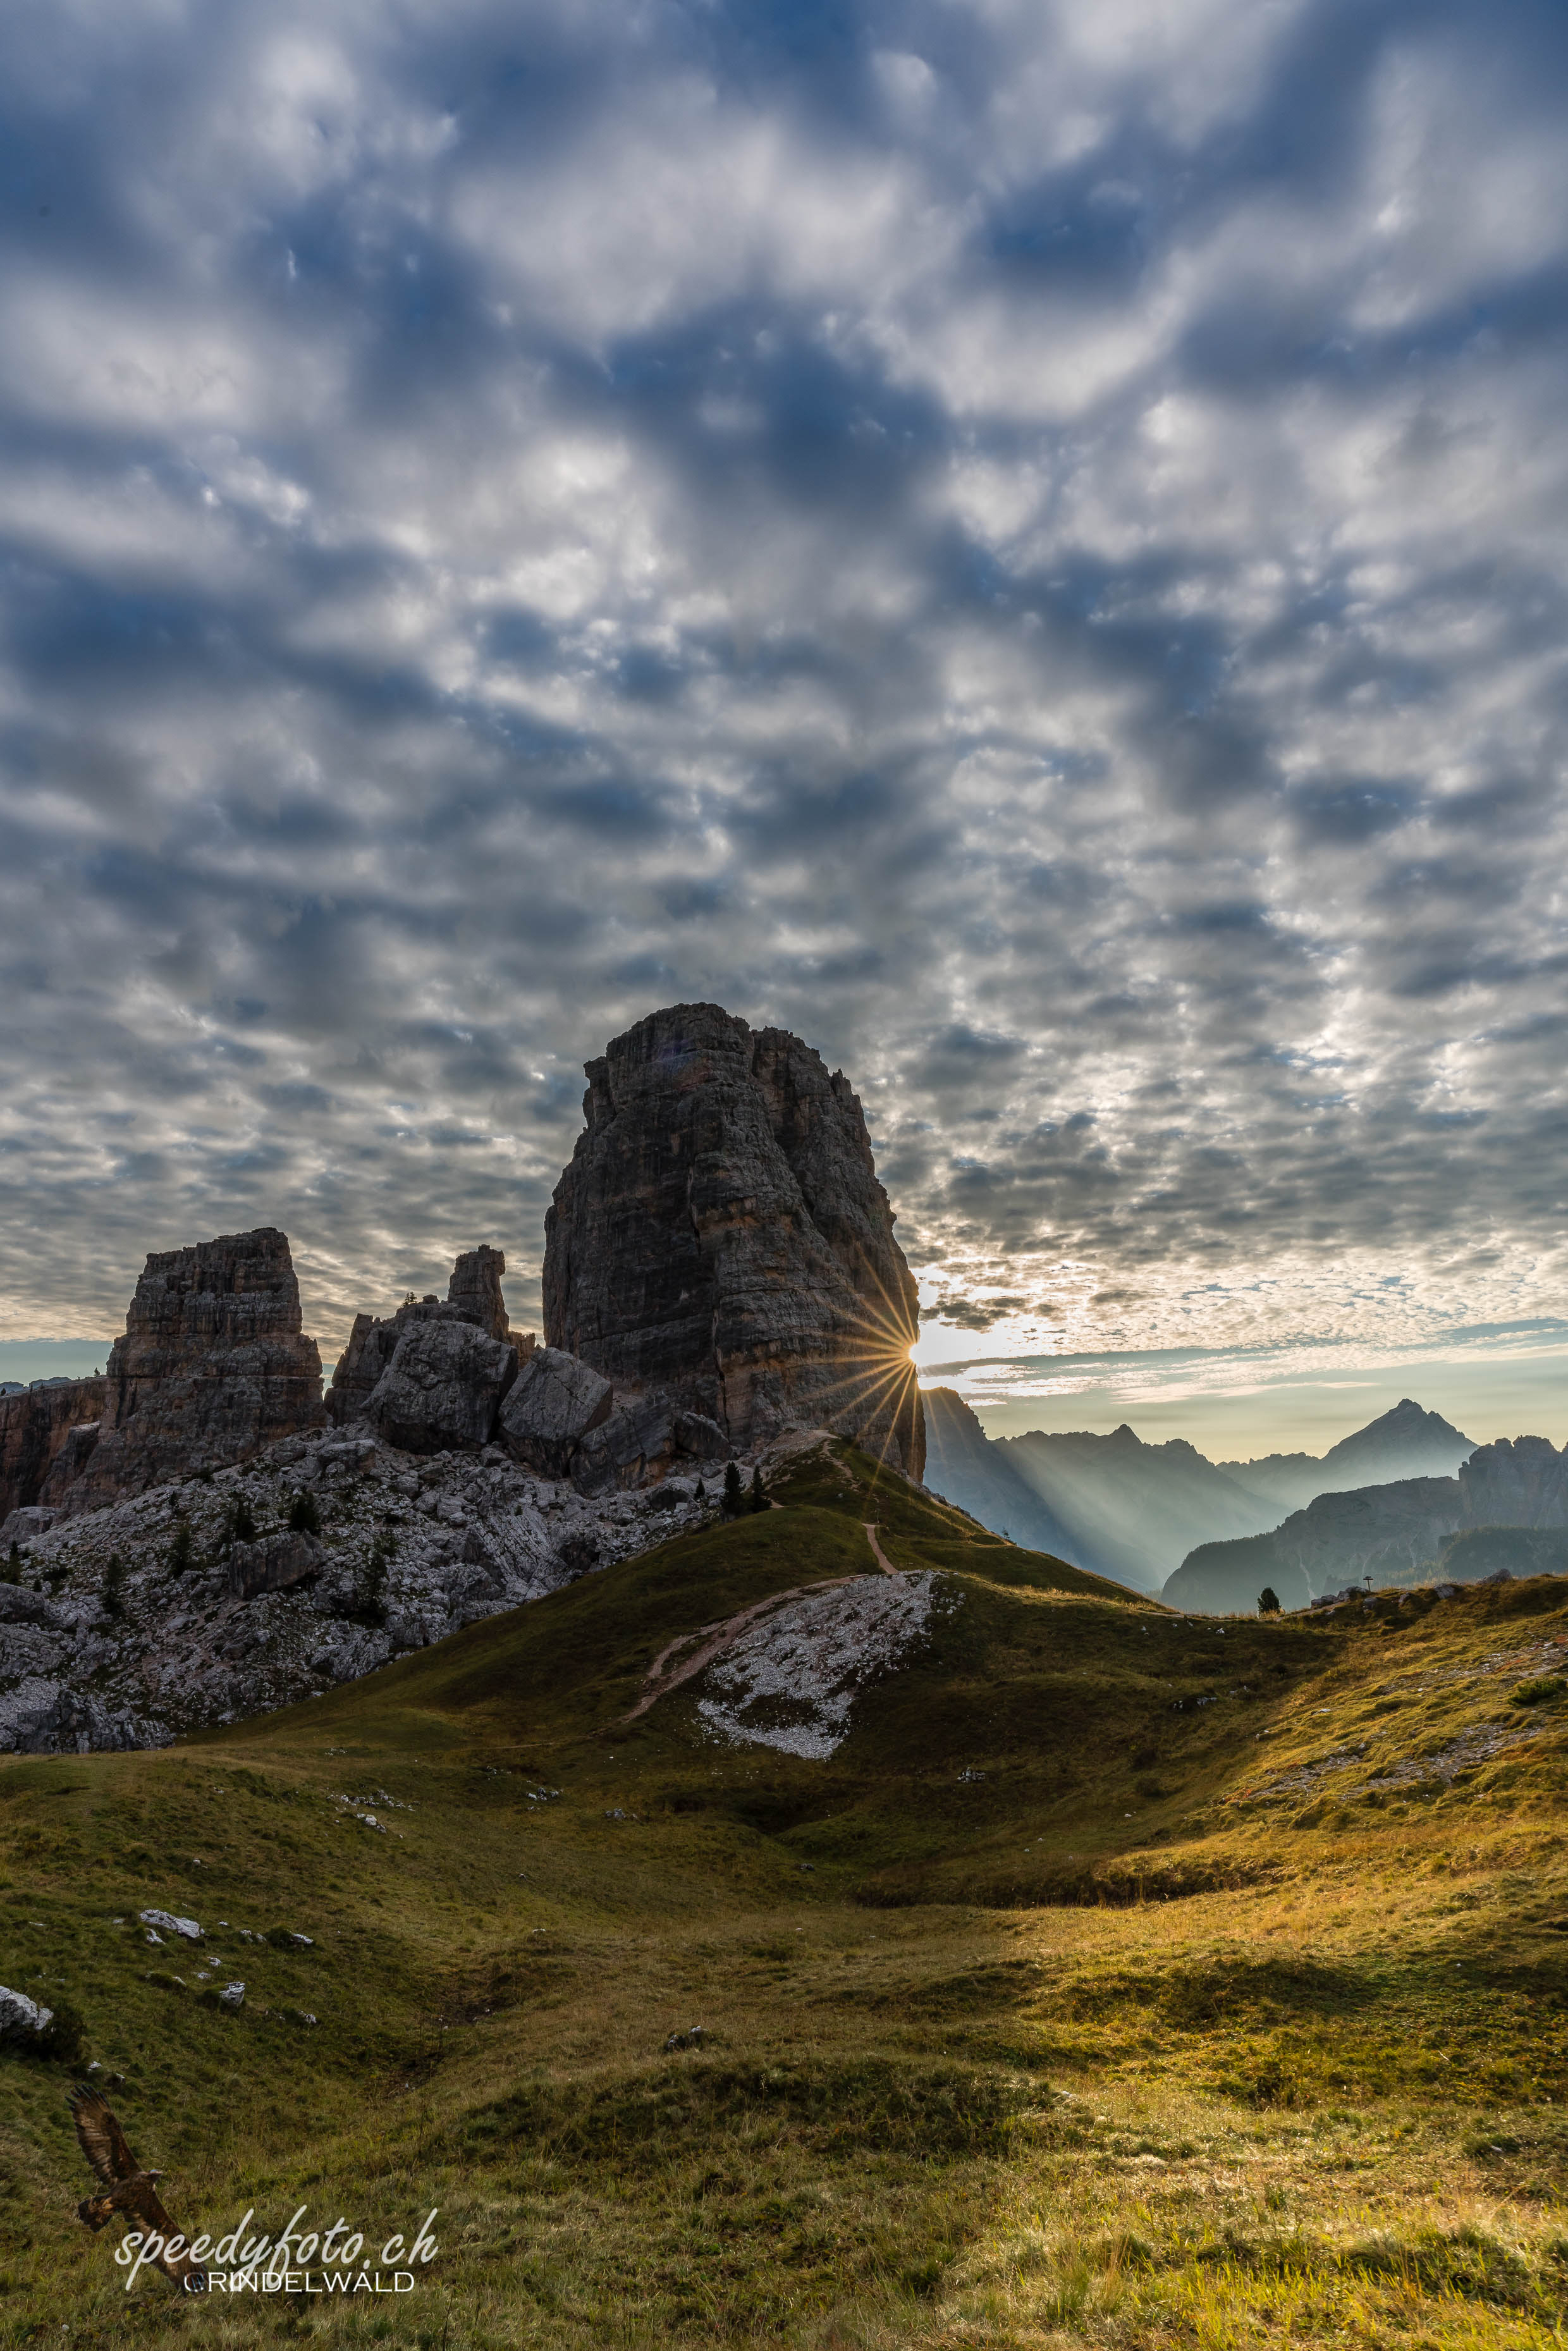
(1028, 544)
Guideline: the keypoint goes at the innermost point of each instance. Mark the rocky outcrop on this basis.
(213, 1364)
(554, 1402)
(720, 1234)
(1518, 1483)
(443, 1389)
(35, 1425)
(25, 1526)
(474, 1290)
(275, 1566)
(474, 1296)
(641, 1441)
(563, 1419)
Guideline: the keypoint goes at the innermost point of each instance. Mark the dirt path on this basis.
(713, 1640)
(877, 1551)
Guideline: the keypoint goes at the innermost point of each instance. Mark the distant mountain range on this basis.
(1405, 1443)
(1135, 1511)
(1507, 1509)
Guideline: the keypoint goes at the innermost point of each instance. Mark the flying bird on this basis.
(130, 2187)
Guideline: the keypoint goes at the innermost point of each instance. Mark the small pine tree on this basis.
(114, 1586)
(758, 1498)
(732, 1493)
(1268, 1602)
(701, 1495)
(13, 1565)
(183, 1550)
(304, 1518)
(372, 1605)
(240, 1526)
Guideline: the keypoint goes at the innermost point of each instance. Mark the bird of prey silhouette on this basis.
(129, 2189)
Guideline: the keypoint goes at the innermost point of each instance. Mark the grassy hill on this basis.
(1120, 1976)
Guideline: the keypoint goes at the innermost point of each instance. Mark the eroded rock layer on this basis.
(213, 1365)
(36, 1424)
(721, 1233)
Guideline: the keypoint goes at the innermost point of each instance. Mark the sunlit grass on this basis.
(1322, 2100)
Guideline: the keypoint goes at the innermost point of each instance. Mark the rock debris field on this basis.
(790, 1679)
(161, 1615)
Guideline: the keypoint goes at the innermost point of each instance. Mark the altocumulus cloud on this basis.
(1026, 542)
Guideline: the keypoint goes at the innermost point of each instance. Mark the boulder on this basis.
(632, 1447)
(700, 1438)
(550, 1407)
(42, 1716)
(25, 1526)
(20, 2016)
(720, 1233)
(213, 1365)
(443, 1389)
(474, 1296)
(20, 1606)
(186, 1928)
(276, 1565)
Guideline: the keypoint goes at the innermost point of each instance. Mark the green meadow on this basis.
(1122, 1978)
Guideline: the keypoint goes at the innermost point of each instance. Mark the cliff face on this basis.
(213, 1365)
(33, 1427)
(1518, 1483)
(721, 1232)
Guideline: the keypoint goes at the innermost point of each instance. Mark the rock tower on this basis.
(720, 1233)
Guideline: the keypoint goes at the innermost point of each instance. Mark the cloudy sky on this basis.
(1027, 543)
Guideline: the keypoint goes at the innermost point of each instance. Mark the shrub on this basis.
(240, 1524)
(13, 1571)
(304, 1518)
(1268, 1602)
(1544, 1690)
(113, 1594)
(370, 1606)
(183, 1550)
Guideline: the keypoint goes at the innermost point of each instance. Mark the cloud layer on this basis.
(1024, 542)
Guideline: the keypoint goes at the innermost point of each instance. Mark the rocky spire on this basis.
(213, 1365)
(721, 1231)
(476, 1289)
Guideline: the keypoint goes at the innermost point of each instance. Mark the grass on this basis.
(1123, 1978)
